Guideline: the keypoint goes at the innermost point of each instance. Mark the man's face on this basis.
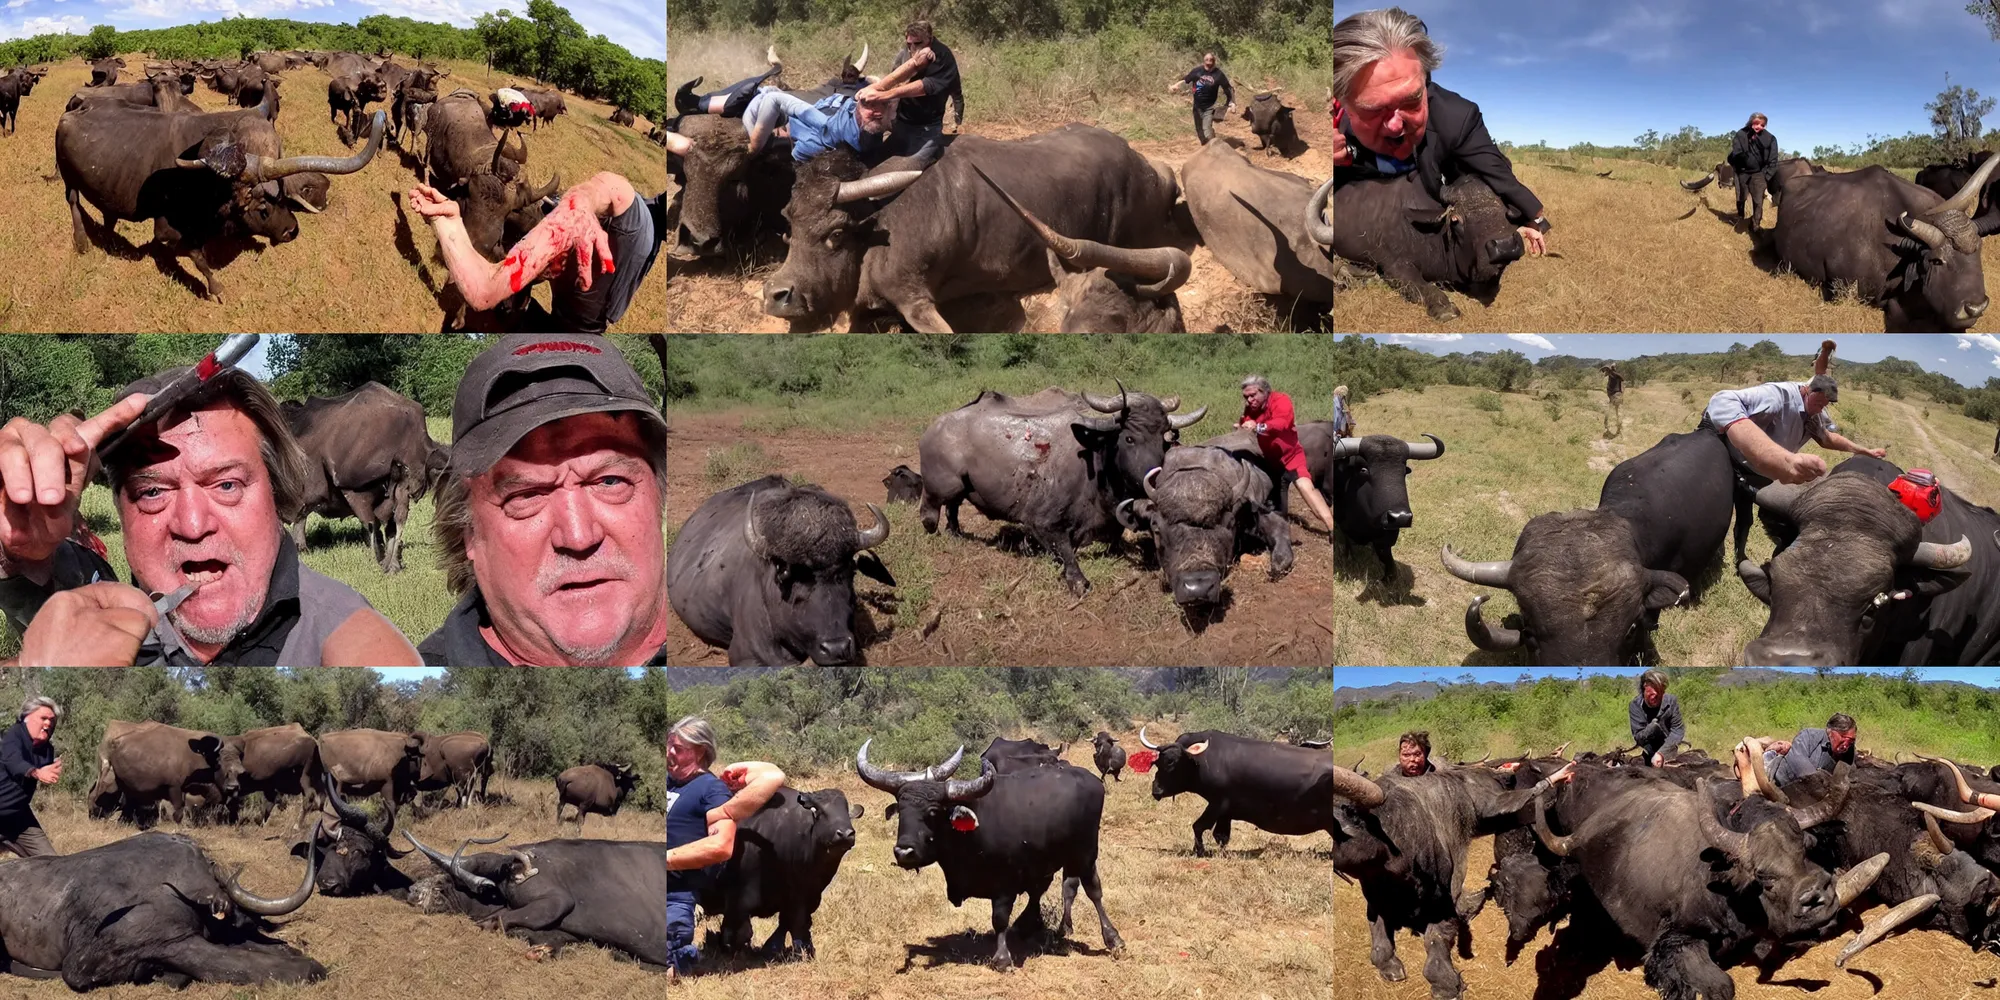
(566, 540)
(1815, 401)
(1208, 61)
(915, 40)
(1391, 107)
(1253, 396)
(40, 722)
(1411, 757)
(1652, 695)
(1756, 125)
(1840, 741)
(199, 509)
(683, 759)
(875, 116)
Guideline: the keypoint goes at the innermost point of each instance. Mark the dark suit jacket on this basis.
(1455, 143)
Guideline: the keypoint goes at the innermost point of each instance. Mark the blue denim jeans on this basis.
(680, 932)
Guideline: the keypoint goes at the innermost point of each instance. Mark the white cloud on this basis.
(1532, 340)
(70, 25)
(11, 4)
(1964, 344)
(1437, 338)
(185, 10)
(1996, 361)
(1985, 340)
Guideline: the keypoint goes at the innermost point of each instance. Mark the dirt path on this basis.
(1003, 608)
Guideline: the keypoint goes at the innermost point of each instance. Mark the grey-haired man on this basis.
(1766, 425)
(27, 758)
(702, 813)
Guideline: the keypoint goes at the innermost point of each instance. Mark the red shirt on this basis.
(1279, 439)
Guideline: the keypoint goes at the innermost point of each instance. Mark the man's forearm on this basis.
(1839, 442)
(477, 278)
(700, 854)
(761, 781)
(1763, 453)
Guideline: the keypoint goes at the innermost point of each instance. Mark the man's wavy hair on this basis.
(284, 461)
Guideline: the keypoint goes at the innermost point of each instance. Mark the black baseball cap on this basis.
(1825, 384)
(527, 380)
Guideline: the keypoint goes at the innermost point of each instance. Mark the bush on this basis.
(1486, 402)
(738, 463)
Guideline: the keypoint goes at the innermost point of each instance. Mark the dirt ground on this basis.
(1246, 924)
(1913, 965)
(374, 947)
(995, 608)
(723, 295)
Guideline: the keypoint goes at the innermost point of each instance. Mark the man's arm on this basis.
(1476, 151)
(13, 763)
(897, 83)
(1835, 441)
(1635, 720)
(1228, 92)
(1676, 732)
(1770, 458)
(714, 849)
(572, 226)
(755, 782)
(367, 639)
(943, 77)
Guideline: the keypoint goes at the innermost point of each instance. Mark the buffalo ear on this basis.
(871, 567)
(299, 849)
(1199, 748)
(1664, 590)
(1760, 585)
(889, 813)
(207, 746)
(1089, 436)
(857, 810)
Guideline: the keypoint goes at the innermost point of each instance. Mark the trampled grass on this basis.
(364, 264)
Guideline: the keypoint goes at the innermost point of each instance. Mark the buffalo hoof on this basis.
(1392, 970)
(1078, 587)
(1444, 312)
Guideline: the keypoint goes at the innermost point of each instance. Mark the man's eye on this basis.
(229, 486)
(152, 493)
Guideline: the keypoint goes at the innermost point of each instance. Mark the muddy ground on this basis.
(985, 607)
(1914, 965)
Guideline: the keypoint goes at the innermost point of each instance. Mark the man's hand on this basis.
(736, 776)
(429, 203)
(1799, 468)
(43, 471)
(1874, 452)
(923, 56)
(48, 775)
(1342, 155)
(1568, 773)
(1536, 243)
(1780, 746)
(97, 625)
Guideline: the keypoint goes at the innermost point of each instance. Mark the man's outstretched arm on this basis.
(754, 783)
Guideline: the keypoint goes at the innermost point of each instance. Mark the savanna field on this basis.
(366, 263)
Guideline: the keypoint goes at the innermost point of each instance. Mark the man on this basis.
(730, 101)
(549, 521)
(701, 825)
(1413, 754)
(595, 250)
(1397, 120)
(1766, 425)
(1208, 81)
(1269, 416)
(1614, 398)
(1811, 750)
(1343, 421)
(203, 496)
(1655, 718)
(836, 120)
(1753, 152)
(27, 759)
(919, 130)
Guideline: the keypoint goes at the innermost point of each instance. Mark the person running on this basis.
(1208, 81)
(1614, 398)
(1753, 152)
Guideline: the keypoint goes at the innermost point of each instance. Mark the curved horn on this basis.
(1967, 198)
(1558, 752)
(1489, 637)
(1931, 236)
(888, 781)
(880, 186)
(1347, 446)
(1764, 783)
(874, 535)
(1856, 880)
(1736, 845)
(1150, 745)
(1351, 786)
(1488, 574)
(1779, 497)
(520, 145)
(1964, 790)
(1941, 843)
(946, 769)
(1317, 226)
(1104, 404)
(861, 64)
(527, 863)
(1558, 846)
(252, 903)
(1699, 183)
(1147, 482)
(347, 812)
(537, 194)
(1419, 450)
(1165, 268)
(961, 790)
(1827, 808)
(1170, 403)
(1979, 815)
(1317, 744)
(259, 171)
(751, 534)
(1180, 421)
(1931, 555)
(1902, 914)
(304, 205)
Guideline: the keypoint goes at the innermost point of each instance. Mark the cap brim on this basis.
(486, 444)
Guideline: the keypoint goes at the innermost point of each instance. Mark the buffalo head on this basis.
(930, 805)
(259, 203)
(721, 179)
(904, 485)
(1178, 767)
(1135, 437)
(1195, 514)
(1370, 472)
(832, 214)
(499, 209)
(353, 847)
(832, 833)
(808, 548)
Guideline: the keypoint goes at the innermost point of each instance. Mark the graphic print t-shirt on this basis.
(688, 804)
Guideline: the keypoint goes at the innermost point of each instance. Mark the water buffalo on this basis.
(354, 849)
(165, 91)
(348, 97)
(1251, 219)
(132, 163)
(458, 761)
(1273, 786)
(1858, 579)
(1466, 243)
(1271, 122)
(14, 85)
(767, 570)
(1316, 439)
(368, 761)
(1204, 506)
(1591, 583)
(149, 908)
(244, 84)
(903, 485)
(999, 836)
(1008, 756)
(622, 115)
(370, 456)
(1782, 172)
(1900, 246)
(594, 788)
(1371, 501)
(729, 193)
(104, 72)
(146, 763)
(1723, 176)
(548, 104)
(1108, 756)
(943, 234)
(277, 761)
(1039, 462)
(1098, 288)
(464, 159)
(339, 64)
(1947, 178)
(786, 856)
(557, 893)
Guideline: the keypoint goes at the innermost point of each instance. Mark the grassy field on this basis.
(1513, 456)
(1631, 253)
(1248, 924)
(374, 947)
(364, 264)
(1114, 80)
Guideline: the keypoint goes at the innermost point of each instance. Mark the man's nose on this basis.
(576, 527)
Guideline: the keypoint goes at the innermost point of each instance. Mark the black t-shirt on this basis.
(1207, 83)
(940, 78)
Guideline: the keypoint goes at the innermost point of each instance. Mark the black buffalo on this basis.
(1272, 786)
(1008, 756)
(728, 193)
(348, 97)
(766, 569)
(1782, 174)
(1947, 178)
(1271, 122)
(558, 893)
(1205, 506)
(1591, 583)
(1107, 289)
(944, 234)
(370, 456)
(1258, 224)
(353, 848)
(999, 836)
(104, 72)
(1466, 243)
(1371, 501)
(622, 116)
(786, 855)
(1859, 580)
(594, 788)
(14, 85)
(1723, 176)
(467, 161)
(1108, 756)
(1039, 462)
(904, 485)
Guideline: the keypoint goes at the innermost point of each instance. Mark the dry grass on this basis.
(364, 264)
(1250, 924)
(1629, 257)
(376, 948)
(1504, 468)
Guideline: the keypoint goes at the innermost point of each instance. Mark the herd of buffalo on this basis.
(156, 907)
(1674, 866)
(1075, 209)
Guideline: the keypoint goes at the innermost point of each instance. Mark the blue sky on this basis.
(1825, 71)
(1373, 676)
(639, 25)
(1970, 359)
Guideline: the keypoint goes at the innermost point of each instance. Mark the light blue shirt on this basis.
(1777, 408)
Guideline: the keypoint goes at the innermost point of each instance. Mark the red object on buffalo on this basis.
(1141, 760)
(1918, 490)
(964, 824)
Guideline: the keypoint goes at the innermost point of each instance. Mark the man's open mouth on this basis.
(203, 571)
(583, 584)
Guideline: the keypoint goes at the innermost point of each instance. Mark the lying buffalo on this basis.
(1106, 289)
(1466, 243)
(1371, 500)
(558, 893)
(766, 569)
(1256, 222)
(1205, 506)
(728, 193)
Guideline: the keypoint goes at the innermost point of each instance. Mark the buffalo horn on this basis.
(875, 534)
(1778, 498)
(861, 64)
(1967, 198)
(1420, 450)
(751, 534)
(1825, 809)
(1347, 446)
(304, 205)
(1181, 421)
(1698, 183)
(1558, 752)
(1559, 846)
(1150, 745)
(1489, 637)
(1489, 574)
(1979, 815)
(252, 903)
(1166, 268)
(1317, 227)
(1736, 845)
(1964, 790)
(1931, 555)
(1856, 880)
(1316, 744)
(1931, 236)
(1936, 836)
(1764, 783)
(1104, 404)
(258, 170)
(1356, 789)
(347, 812)
(1170, 403)
(963, 790)
(1151, 474)
(886, 185)
(1902, 914)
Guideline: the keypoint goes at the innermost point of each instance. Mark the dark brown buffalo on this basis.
(343, 63)
(594, 788)
(1252, 220)
(104, 72)
(244, 83)
(348, 97)
(166, 91)
(199, 177)
(728, 193)
(904, 485)
(457, 761)
(370, 457)
(278, 761)
(371, 761)
(622, 116)
(146, 763)
(548, 104)
(270, 62)
(1271, 122)
(14, 85)
(476, 168)
(1107, 289)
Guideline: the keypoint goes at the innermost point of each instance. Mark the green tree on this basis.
(329, 366)
(101, 43)
(1509, 370)
(1956, 113)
